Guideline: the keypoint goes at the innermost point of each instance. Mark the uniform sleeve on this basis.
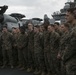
(70, 51)
(11, 39)
(25, 41)
(41, 41)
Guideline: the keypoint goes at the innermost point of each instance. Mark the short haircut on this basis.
(37, 26)
(30, 22)
(52, 25)
(57, 23)
(14, 28)
(5, 26)
(72, 11)
(66, 25)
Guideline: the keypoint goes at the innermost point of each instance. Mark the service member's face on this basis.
(17, 30)
(50, 29)
(14, 30)
(62, 28)
(4, 29)
(36, 29)
(56, 26)
(30, 26)
(69, 17)
(42, 27)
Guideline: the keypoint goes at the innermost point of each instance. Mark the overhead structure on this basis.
(61, 15)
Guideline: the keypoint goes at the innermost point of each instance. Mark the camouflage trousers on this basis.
(71, 67)
(0, 56)
(7, 53)
(55, 64)
(48, 63)
(39, 61)
(63, 69)
(15, 55)
(22, 57)
(30, 59)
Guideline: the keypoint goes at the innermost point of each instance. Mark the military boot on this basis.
(37, 72)
(30, 69)
(11, 65)
(3, 66)
(43, 73)
(22, 68)
(19, 66)
(48, 73)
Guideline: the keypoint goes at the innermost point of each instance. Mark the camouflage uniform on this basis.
(46, 50)
(7, 47)
(30, 49)
(0, 49)
(14, 48)
(22, 49)
(61, 50)
(69, 54)
(54, 47)
(59, 32)
(38, 51)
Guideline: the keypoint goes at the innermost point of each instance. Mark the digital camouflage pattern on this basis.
(7, 47)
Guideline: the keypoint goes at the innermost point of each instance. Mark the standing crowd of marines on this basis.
(44, 50)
